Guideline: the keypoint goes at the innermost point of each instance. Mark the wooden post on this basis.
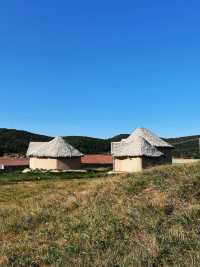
(2, 167)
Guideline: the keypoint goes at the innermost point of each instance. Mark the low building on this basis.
(13, 164)
(54, 155)
(142, 149)
(96, 161)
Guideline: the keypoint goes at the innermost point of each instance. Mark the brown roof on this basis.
(14, 161)
(86, 159)
(97, 159)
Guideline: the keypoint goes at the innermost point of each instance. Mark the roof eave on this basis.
(139, 156)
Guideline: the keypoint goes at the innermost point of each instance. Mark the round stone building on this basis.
(142, 149)
(54, 155)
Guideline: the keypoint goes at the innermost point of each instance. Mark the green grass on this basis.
(148, 219)
(18, 176)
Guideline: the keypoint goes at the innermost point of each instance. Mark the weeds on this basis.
(149, 219)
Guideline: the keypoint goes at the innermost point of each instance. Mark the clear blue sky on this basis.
(100, 68)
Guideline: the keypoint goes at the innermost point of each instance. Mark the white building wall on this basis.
(55, 164)
(43, 164)
(127, 164)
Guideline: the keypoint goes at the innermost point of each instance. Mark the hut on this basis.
(140, 150)
(54, 155)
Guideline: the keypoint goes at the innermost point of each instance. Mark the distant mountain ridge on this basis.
(16, 141)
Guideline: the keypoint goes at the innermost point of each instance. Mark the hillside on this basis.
(89, 145)
(187, 146)
(148, 219)
(16, 141)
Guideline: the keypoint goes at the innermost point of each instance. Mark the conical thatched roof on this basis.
(137, 146)
(57, 148)
(150, 137)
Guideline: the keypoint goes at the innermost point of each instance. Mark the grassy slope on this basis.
(13, 177)
(149, 219)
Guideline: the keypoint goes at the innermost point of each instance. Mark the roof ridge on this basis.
(152, 138)
(57, 147)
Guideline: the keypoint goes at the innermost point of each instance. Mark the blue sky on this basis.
(100, 68)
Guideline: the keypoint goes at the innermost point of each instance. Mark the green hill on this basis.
(16, 141)
(186, 147)
(90, 145)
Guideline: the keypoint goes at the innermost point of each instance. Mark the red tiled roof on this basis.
(86, 159)
(14, 162)
(96, 159)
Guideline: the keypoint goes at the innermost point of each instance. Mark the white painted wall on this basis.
(128, 164)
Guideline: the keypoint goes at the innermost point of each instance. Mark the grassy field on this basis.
(14, 177)
(148, 219)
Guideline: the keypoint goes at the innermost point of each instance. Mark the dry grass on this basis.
(149, 219)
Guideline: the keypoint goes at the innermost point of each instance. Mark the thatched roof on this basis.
(56, 148)
(33, 146)
(137, 146)
(150, 137)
